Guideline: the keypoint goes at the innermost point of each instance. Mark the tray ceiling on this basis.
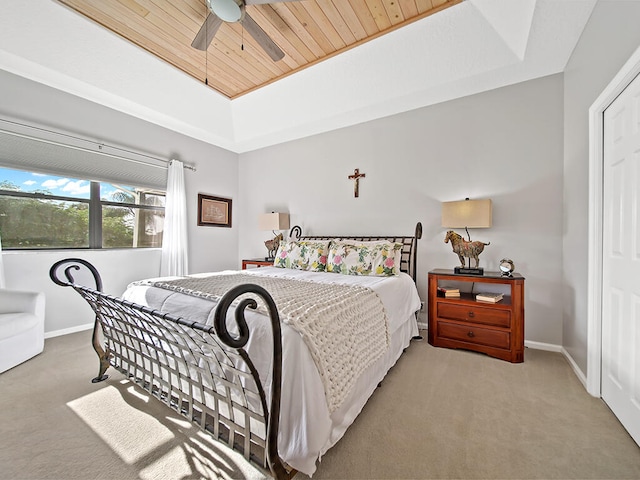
(308, 31)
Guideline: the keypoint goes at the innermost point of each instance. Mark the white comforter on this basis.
(307, 428)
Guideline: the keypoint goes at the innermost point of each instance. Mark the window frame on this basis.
(95, 205)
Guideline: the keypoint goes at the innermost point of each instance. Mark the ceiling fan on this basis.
(235, 11)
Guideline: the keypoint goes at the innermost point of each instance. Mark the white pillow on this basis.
(377, 258)
(308, 255)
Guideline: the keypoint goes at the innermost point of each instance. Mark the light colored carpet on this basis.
(439, 414)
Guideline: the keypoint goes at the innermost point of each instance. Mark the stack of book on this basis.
(448, 292)
(489, 297)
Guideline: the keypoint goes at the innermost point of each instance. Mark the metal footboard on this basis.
(202, 372)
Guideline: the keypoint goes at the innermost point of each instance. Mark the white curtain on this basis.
(174, 240)
(1, 267)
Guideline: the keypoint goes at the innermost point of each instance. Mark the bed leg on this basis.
(104, 364)
(103, 356)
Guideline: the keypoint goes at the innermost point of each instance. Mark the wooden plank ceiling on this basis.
(308, 31)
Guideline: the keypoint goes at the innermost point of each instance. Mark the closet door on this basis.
(621, 259)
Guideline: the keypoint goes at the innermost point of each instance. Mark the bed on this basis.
(283, 391)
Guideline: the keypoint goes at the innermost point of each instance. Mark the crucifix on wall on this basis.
(356, 177)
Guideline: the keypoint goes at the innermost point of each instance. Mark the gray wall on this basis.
(505, 144)
(609, 38)
(211, 248)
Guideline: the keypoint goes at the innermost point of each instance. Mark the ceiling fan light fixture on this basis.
(227, 10)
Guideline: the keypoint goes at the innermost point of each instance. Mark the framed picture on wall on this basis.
(214, 211)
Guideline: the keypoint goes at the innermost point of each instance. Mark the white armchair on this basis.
(21, 326)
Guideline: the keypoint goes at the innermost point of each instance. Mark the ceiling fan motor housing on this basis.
(227, 10)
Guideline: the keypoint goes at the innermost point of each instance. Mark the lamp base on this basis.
(468, 271)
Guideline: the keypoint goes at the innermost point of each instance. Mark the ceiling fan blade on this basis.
(263, 2)
(207, 32)
(262, 38)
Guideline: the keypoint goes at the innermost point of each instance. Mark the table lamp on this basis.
(466, 214)
(273, 221)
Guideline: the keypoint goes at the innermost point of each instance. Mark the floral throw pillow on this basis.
(303, 255)
(380, 258)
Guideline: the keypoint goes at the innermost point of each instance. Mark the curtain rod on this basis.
(100, 146)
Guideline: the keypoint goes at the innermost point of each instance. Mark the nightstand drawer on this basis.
(475, 314)
(476, 335)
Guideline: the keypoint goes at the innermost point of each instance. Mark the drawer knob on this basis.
(471, 314)
(470, 334)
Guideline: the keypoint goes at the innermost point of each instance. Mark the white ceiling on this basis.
(472, 47)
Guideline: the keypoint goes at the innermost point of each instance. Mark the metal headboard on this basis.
(409, 246)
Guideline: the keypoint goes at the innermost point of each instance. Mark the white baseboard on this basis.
(549, 347)
(560, 349)
(67, 331)
(581, 376)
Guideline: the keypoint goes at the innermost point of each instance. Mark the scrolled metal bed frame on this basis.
(203, 372)
(409, 252)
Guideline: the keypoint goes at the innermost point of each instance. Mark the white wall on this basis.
(609, 38)
(210, 248)
(66, 311)
(505, 144)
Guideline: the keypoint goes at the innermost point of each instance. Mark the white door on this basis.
(621, 259)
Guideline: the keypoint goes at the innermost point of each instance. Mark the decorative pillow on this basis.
(378, 258)
(303, 255)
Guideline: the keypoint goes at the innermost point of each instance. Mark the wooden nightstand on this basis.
(496, 329)
(256, 262)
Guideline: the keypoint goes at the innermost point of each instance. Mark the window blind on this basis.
(32, 148)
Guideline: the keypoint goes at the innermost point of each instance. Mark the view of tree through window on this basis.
(40, 211)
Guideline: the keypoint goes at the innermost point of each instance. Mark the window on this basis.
(39, 211)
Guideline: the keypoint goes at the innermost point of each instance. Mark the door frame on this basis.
(623, 78)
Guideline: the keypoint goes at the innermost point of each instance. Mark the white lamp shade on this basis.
(273, 221)
(466, 213)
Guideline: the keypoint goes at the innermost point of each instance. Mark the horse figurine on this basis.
(273, 244)
(464, 248)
